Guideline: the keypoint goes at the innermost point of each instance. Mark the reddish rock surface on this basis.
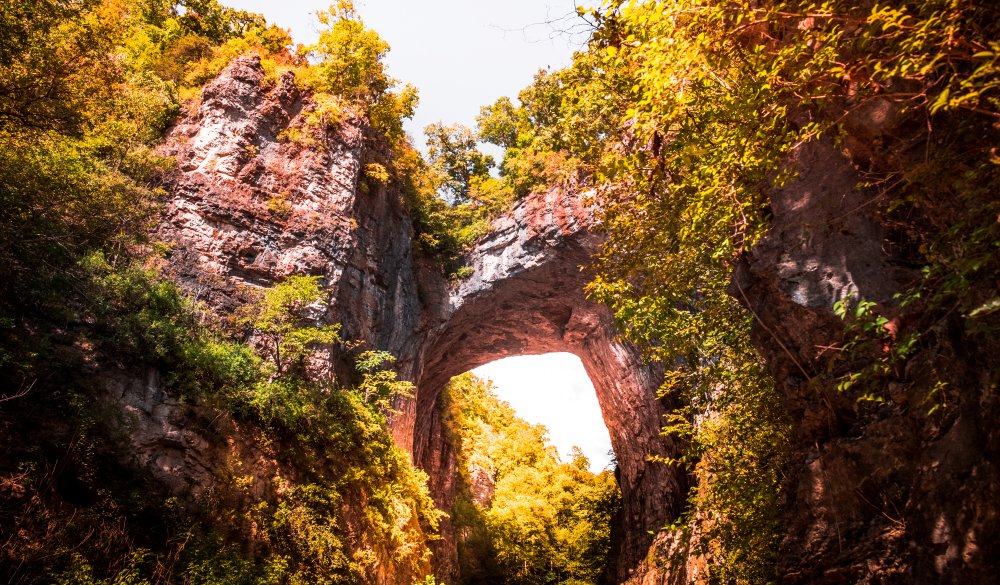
(874, 495)
(525, 296)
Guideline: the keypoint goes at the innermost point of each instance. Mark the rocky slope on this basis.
(249, 207)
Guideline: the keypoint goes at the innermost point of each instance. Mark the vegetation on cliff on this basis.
(715, 94)
(310, 486)
(681, 115)
(335, 500)
(522, 515)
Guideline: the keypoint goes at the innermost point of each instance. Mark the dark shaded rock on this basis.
(888, 493)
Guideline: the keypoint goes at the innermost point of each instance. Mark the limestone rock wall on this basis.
(249, 207)
(525, 296)
(889, 495)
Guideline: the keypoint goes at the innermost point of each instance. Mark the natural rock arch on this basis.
(525, 295)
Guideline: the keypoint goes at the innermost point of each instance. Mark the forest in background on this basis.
(522, 515)
(677, 114)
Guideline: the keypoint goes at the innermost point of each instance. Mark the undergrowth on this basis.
(337, 499)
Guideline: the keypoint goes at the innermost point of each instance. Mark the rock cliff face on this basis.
(903, 489)
(899, 492)
(525, 296)
(248, 208)
(891, 493)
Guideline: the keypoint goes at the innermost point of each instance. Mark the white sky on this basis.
(460, 54)
(554, 390)
(463, 54)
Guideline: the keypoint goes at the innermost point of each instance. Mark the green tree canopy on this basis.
(546, 521)
(453, 154)
(352, 66)
(285, 321)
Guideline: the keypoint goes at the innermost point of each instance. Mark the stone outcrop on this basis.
(197, 455)
(249, 207)
(525, 296)
(902, 489)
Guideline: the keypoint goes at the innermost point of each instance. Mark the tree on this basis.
(453, 154)
(379, 384)
(216, 22)
(53, 66)
(351, 55)
(352, 66)
(284, 322)
(545, 521)
(557, 134)
(502, 122)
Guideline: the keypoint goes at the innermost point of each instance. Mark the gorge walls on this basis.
(889, 491)
(249, 207)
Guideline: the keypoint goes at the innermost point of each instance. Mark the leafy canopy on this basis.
(285, 322)
(351, 66)
(453, 154)
(524, 516)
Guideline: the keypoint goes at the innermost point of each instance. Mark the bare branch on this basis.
(20, 393)
(570, 25)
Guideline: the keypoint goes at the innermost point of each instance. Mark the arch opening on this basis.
(525, 296)
(555, 391)
(533, 493)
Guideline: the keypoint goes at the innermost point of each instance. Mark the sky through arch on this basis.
(554, 390)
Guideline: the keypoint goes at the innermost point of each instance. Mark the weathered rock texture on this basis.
(248, 208)
(525, 296)
(887, 493)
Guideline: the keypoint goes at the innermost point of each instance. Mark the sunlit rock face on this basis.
(248, 208)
